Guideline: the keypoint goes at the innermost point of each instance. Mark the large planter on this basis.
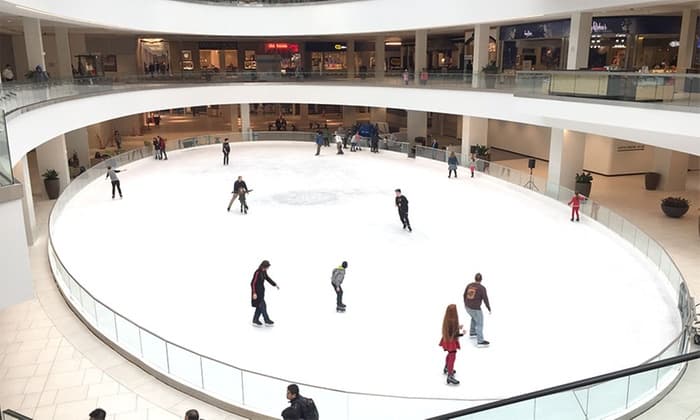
(651, 180)
(583, 188)
(53, 188)
(674, 212)
(490, 81)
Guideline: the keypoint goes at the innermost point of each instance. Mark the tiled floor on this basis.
(53, 368)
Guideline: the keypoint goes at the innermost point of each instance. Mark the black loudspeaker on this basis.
(472, 149)
(531, 163)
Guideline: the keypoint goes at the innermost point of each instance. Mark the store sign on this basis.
(326, 46)
(340, 47)
(631, 148)
(281, 47)
(599, 27)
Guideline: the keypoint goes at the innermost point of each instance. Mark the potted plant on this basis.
(651, 180)
(52, 183)
(675, 206)
(482, 152)
(489, 71)
(583, 183)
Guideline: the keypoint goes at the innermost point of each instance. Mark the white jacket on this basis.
(338, 139)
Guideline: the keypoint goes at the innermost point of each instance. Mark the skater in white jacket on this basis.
(337, 278)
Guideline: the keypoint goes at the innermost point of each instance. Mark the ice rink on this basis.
(569, 300)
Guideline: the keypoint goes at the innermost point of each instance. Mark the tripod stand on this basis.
(530, 184)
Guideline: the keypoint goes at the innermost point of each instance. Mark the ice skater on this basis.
(474, 294)
(319, 142)
(472, 166)
(451, 331)
(257, 288)
(402, 205)
(242, 193)
(156, 148)
(452, 163)
(112, 175)
(226, 149)
(339, 144)
(161, 143)
(575, 204)
(240, 183)
(337, 278)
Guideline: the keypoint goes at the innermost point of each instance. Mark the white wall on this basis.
(361, 16)
(529, 140)
(15, 274)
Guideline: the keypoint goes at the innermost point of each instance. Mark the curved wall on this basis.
(352, 17)
(662, 128)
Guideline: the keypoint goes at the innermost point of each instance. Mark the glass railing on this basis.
(669, 89)
(238, 386)
(6, 177)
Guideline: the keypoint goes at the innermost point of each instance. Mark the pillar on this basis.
(53, 155)
(16, 274)
(78, 45)
(245, 122)
(20, 56)
(21, 173)
(304, 116)
(63, 53)
(475, 131)
(480, 58)
(350, 58)
(77, 142)
(379, 57)
(417, 125)
(579, 41)
(686, 48)
(34, 45)
(421, 54)
(673, 167)
(377, 114)
(566, 153)
(349, 116)
(232, 116)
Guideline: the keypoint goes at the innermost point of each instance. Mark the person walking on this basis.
(452, 163)
(402, 205)
(118, 139)
(451, 331)
(161, 142)
(374, 142)
(112, 175)
(226, 149)
(7, 74)
(300, 408)
(337, 278)
(319, 142)
(575, 204)
(339, 144)
(237, 186)
(472, 166)
(474, 294)
(404, 76)
(257, 288)
(354, 139)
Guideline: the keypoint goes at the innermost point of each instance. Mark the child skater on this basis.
(575, 204)
(451, 331)
(472, 166)
(242, 192)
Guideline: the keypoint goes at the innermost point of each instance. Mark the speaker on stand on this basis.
(530, 184)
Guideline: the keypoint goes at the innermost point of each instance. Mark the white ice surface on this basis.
(569, 300)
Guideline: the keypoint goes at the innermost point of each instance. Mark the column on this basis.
(349, 116)
(379, 58)
(403, 64)
(417, 125)
(63, 53)
(20, 56)
(78, 45)
(53, 155)
(232, 116)
(34, 45)
(16, 274)
(21, 172)
(566, 153)
(245, 122)
(421, 54)
(350, 58)
(480, 59)
(304, 116)
(77, 142)
(579, 41)
(475, 131)
(377, 114)
(673, 167)
(687, 40)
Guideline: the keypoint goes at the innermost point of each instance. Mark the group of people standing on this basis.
(159, 148)
(453, 162)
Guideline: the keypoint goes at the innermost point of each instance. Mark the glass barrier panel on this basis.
(184, 365)
(641, 242)
(607, 398)
(105, 321)
(222, 381)
(262, 392)
(128, 335)
(665, 265)
(88, 305)
(154, 351)
(654, 252)
(642, 386)
(629, 231)
(521, 410)
(616, 222)
(561, 405)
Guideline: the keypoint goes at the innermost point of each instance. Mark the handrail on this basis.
(572, 385)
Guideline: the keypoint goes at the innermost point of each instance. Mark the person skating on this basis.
(354, 139)
(112, 175)
(402, 205)
(472, 166)
(575, 204)
(242, 193)
(161, 142)
(474, 294)
(156, 148)
(337, 278)
(339, 143)
(319, 142)
(240, 183)
(226, 149)
(452, 163)
(257, 288)
(451, 331)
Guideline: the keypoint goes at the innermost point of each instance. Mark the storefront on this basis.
(647, 43)
(289, 55)
(327, 57)
(218, 56)
(153, 55)
(469, 53)
(535, 46)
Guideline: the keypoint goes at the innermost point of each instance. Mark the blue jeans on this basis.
(477, 324)
(261, 309)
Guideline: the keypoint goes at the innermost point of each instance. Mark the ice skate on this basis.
(409, 228)
(444, 371)
(228, 208)
(483, 343)
(472, 336)
(269, 323)
(257, 323)
(451, 380)
(340, 309)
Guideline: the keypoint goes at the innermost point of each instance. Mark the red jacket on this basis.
(576, 201)
(451, 345)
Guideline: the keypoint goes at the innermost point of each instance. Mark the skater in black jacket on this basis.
(402, 205)
(240, 183)
(257, 288)
(226, 148)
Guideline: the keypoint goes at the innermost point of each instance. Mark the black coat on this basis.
(226, 148)
(402, 204)
(238, 185)
(257, 286)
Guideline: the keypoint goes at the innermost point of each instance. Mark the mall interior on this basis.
(543, 99)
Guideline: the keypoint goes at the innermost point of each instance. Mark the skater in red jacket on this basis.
(451, 331)
(575, 204)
